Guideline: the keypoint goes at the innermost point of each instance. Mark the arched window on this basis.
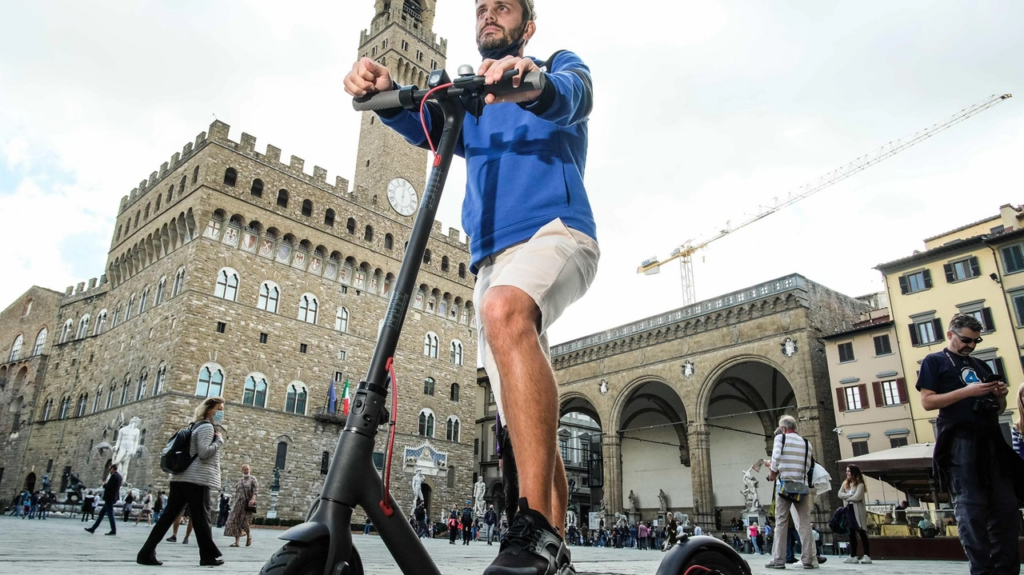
(195, 175)
(282, 455)
(295, 402)
(124, 389)
(16, 348)
(444, 263)
(143, 300)
(181, 186)
(47, 407)
(65, 407)
(282, 198)
(350, 226)
(257, 188)
(307, 208)
(453, 395)
(462, 271)
(430, 345)
(116, 318)
(37, 349)
(368, 234)
(110, 393)
(227, 284)
(389, 241)
(455, 352)
(128, 308)
(341, 320)
(101, 319)
(83, 402)
(96, 399)
(426, 423)
(270, 296)
(325, 457)
(426, 257)
(158, 201)
(83, 327)
(255, 393)
(308, 307)
(452, 431)
(170, 194)
(428, 386)
(145, 216)
(329, 217)
(143, 379)
(161, 288)
(179, 281)
(161, 376)
(230, 176)
(211, 381)
(65, 332)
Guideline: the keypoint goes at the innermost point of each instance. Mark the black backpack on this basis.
(175, 457)
(467, 516)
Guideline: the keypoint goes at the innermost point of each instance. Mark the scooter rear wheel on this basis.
(306, 559)
(713, 560)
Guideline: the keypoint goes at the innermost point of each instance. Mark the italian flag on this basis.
(345, 399)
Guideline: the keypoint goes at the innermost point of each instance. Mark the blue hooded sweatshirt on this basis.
(525, 162)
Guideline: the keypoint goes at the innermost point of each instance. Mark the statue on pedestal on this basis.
(632, 502)
(417, 489)
(126, 446)
(749, 491)
(479, 490)
(662, 501)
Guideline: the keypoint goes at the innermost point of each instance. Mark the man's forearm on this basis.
(934, 401)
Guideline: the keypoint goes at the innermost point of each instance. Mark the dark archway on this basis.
(743, 409)
(655, 447)
(580, 442)
(30, 482)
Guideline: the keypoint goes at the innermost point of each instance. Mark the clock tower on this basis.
(401, 38)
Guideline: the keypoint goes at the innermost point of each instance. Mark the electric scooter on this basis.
(323, 544)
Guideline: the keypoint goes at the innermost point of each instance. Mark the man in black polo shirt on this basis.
(971, 456)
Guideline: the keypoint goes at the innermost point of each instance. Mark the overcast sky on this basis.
(704, 111)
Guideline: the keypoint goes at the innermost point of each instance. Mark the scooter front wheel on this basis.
(712, 562)
(306, 559)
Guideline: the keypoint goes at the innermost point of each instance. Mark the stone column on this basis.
(611, 449)
(700, 466)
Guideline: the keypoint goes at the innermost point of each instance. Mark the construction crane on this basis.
(684, 252)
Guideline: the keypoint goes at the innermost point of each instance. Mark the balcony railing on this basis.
(324, 415)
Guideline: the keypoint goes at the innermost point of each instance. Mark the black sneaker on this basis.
(531, 547)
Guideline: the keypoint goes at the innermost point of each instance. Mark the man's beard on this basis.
(506, 39)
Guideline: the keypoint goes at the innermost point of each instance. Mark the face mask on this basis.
(218, 417)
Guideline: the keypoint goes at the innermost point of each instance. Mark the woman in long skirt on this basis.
(240, 517)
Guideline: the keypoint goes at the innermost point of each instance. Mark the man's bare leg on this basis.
(528, 392)
(559, 495)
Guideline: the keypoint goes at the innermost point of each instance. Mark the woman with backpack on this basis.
(453, 526)
(192, 486)
(853, 492)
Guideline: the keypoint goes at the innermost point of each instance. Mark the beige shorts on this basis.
(555, 267)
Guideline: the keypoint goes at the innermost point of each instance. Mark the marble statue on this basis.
(750, 491)
(632, 502)
(127, 446)
(662, 501)
(620, 519)
(417, 489)
(479, 489)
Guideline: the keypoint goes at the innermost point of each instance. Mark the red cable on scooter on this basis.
(385, 502)
(423, 121)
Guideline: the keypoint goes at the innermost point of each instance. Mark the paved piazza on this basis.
(58, 546)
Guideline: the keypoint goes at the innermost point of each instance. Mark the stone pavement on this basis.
(59, 546)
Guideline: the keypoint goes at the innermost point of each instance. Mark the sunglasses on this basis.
(969, 340)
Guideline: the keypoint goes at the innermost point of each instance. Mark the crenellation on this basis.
(248, 143)
(175, 159)
(200, 139)
(92, 283)
(68, 291)
(273, 154)
(124, 201)
(453, 233)
(153, 178)
(80, 288)
(187, 150)
(143, 186)
(218, 132)
(297, 164)
(340, 185)
(319, 174)
(163, 169)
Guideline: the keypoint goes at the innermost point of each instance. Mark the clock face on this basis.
(402, 197)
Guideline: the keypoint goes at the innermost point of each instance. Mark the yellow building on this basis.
(965, 270)
(872, 400)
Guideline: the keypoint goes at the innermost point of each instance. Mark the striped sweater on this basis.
(791, 456)
(1018, 441)
(205, 469)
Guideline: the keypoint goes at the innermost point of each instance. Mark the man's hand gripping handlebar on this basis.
(468, 86)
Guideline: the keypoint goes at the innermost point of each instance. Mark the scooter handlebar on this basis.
(411, 97)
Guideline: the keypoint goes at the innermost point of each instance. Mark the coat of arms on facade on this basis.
(688, 369)
(604, 386)
(424, 458)
(789, 347)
